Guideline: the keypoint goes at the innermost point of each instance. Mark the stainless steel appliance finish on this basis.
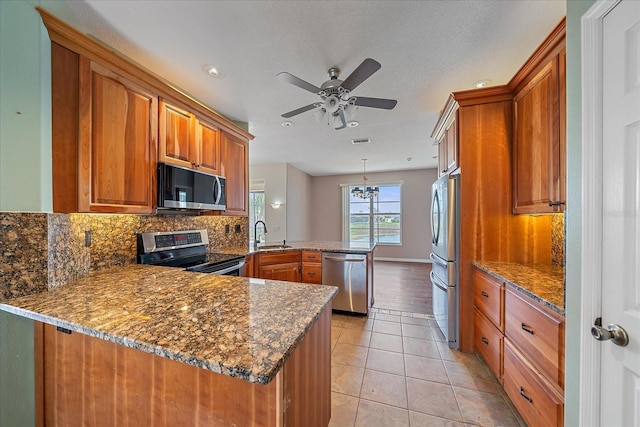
(188, 189)
(187, 250)
(445, 231)
(349, 273)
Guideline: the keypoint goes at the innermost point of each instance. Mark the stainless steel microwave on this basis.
(182, 188)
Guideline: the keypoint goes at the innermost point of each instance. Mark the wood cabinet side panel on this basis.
(307, 377)
(485, 198)
(90, 381)
(64, 123)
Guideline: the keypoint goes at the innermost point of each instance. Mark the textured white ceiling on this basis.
(427, 50)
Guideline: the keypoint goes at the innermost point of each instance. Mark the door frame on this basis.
(592, 176)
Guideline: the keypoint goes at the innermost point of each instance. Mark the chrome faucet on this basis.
(255, 233)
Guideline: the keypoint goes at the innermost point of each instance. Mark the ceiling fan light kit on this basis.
(337, 106)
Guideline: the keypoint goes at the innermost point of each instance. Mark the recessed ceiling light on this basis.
(352, 124)
(211, 70)
(287, 124)
(481, 84)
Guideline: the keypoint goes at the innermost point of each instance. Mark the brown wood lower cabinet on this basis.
(312, 267)
(279, 266)
(89, 381)
(489, 342)
(535, 397)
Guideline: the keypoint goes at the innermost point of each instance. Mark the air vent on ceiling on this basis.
(360, 141)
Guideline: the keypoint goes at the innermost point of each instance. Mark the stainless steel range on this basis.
(187, 250)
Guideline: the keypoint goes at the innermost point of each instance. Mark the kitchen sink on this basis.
(273, 247)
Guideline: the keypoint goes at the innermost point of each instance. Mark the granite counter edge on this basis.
(556, 309)
(232, 371)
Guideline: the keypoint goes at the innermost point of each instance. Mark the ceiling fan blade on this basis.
(343, 123)
(360, 74)
(290, 78)
(387, 104)
(300, 110)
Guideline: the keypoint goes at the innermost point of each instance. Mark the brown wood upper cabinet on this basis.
(539, 140)
(117, 137)
(234, 166)
(446, 135)
(187, 140)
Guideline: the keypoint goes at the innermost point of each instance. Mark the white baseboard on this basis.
(418, 260)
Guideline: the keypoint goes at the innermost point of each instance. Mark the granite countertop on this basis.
(241, 327)
(544, 283)
(321, 245)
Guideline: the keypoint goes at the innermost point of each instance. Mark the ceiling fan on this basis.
(335, 93)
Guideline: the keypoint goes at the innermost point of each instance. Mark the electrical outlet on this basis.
(238, 229)
(87, 238)
(226, 229)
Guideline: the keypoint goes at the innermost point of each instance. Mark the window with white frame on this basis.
(256, 205)
(376, 219)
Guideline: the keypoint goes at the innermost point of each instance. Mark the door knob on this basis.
(615, 333)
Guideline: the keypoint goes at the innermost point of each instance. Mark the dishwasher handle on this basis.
(337, 259)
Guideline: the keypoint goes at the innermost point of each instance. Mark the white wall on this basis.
(275, 189)
(573, 214)
(299, 196)
(326, 210)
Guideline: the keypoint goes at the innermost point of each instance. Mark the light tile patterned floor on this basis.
(393, 368)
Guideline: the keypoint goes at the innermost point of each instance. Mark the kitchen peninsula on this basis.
(158, 346)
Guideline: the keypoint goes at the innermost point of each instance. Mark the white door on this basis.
(615, 44)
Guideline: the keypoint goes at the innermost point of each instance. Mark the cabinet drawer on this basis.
(489, 296)
(536, 400)
(279, 257)
(311, 256)
(312, 272)
(489, 342)
(538, 333)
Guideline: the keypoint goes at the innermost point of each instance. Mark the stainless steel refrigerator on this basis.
(445, 232)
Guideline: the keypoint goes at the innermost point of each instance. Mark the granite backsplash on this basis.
(42, 251)
(557, 240)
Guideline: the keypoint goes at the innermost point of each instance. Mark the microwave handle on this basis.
(217, 190)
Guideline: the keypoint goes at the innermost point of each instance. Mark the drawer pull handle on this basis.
(527, 329)
(522, 393)
(484, 340)
(484, 294)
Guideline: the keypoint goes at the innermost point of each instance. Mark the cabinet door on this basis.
(289, 272)
(208, 147)
(451, 146)
(312, 272)
(117, 157)
(176, 144)
(537, 144)
(234, 161)
(442, 156)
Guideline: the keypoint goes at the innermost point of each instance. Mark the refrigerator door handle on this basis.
(436, 260)
(439, 283)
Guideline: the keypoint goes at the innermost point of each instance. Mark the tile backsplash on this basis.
(42, 251)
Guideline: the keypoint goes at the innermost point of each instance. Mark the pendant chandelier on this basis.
(366, 192)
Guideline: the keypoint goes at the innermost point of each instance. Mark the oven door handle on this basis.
(439, 283)
(238, 266)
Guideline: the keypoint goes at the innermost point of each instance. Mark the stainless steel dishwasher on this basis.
(349, 273)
